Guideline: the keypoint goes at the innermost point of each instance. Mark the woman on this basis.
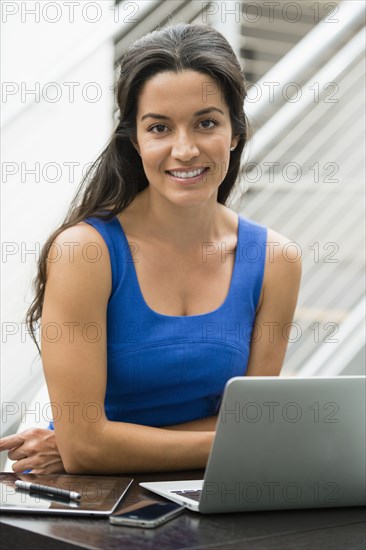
(168, 293)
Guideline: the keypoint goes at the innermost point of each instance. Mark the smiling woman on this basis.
(183, 286)
(189, 149)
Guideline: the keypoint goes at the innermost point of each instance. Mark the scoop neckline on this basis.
(142, 298)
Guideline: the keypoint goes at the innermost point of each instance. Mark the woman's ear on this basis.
(136, 146)
(235, 140)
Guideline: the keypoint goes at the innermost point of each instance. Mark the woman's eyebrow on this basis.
(163, 117)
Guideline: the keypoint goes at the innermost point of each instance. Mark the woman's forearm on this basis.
(123, 448)
(207, 424)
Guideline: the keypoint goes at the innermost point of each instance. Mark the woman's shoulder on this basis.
(283, 262)
(80, 251)
(78, 237)
(252, 224)
(282, 248)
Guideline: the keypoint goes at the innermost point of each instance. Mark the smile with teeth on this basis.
(187, 175)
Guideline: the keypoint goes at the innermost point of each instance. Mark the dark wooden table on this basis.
(323, 528)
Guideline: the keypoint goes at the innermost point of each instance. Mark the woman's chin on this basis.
(192, 197)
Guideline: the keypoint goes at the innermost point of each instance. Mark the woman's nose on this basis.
(184, 147)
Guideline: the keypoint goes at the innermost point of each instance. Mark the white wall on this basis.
(36, 53)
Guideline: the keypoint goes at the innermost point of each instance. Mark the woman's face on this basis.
(174, 135)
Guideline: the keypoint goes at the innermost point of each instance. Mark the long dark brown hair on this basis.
(117, 175)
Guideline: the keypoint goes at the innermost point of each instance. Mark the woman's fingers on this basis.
(34, 449)
(11, 442)
(37, 467)
(17, 454)
(20, 465)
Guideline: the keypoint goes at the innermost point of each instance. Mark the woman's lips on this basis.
(187, 181)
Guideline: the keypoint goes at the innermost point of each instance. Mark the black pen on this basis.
(43, 489)
(42, 497)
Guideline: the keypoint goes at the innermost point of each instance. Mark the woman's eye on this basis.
(156, 126)
(207, 124)
(211, 121)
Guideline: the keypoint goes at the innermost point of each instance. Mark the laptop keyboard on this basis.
(192, 494)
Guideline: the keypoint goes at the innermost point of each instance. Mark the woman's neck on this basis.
(181, 226)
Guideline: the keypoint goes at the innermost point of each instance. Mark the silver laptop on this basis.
(282, 443)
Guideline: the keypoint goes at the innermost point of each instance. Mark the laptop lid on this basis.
(285, 443)
(100, 495)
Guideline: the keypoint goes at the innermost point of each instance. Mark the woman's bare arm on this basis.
(276, 311)
(200, 425)
(74, 353)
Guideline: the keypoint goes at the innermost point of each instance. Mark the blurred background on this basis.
(303, 173)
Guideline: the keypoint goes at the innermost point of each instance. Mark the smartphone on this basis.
(147, 513)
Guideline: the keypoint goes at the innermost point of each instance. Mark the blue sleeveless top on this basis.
(165, 370)
(162, 369)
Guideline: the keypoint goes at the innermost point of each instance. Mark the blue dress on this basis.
(163, 369)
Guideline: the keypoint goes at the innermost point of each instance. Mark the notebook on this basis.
(100, 495)
(282, 443)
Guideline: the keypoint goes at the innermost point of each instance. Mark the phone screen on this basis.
(150, 512)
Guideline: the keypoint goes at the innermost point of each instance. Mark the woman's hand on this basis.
(35, 450)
